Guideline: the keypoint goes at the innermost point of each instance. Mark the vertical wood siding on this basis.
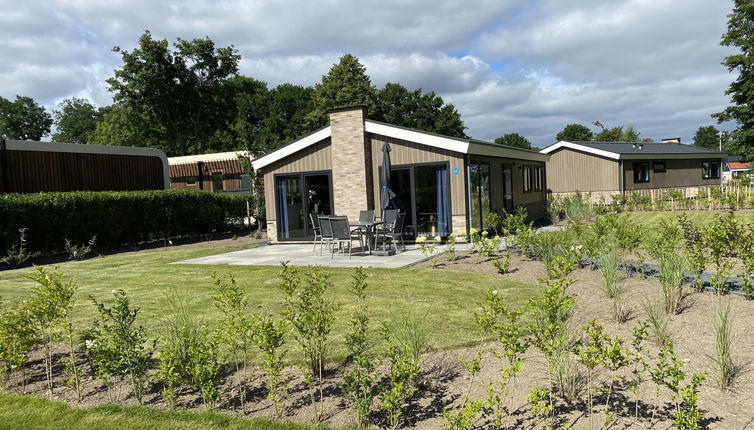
(569, 171)
(678, 173)
(38, 171)
(231, 170)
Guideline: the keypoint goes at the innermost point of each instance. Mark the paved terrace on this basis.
(303, 255)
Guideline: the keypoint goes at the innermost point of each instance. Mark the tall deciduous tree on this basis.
(708, 137)
(741, 91)
(75, 120)
(122, 126)
(176, 93)
(575, 133)
(346, 84)
(397, 105)
(515, 140)
(23, 119)
(287, 108)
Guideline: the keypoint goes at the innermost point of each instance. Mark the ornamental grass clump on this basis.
(724, 367)
(612, 282)
(672, 274)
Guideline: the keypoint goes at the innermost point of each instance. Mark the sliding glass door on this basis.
(479, 178)
(422, 192)
(297, 197)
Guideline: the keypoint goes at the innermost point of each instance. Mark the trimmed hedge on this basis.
(115, 217)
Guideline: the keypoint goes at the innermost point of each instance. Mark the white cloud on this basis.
(508, 66)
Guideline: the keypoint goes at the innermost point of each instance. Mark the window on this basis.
(217, 181)
(641, 172)
(480, 193)
(533, 178)
(710, 170)
(526, 171)
(190, 181)
(658, 166)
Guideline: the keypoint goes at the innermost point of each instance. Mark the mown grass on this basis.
(650, 220)
(444, 299)
(31, 413)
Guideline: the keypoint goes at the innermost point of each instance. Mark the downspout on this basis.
(621, 177)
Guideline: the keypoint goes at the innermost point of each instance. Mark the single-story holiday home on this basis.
(443, 184)
(607, 168)
(217, 172)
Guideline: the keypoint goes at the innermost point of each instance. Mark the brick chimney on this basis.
(351, 162)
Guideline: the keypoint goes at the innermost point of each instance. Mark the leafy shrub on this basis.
(503, 265)
(50, 305)
(116, 218)
(79, 252)
(403, 368)
(450, 249)
(120, 347)
(17, 253)
(269, 337)
(18, 335)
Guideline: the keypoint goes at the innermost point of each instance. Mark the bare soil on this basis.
(445, 382)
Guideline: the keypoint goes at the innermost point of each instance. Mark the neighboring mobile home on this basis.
(444, 184)
(221, 171)
(33, 167)
(607, 168)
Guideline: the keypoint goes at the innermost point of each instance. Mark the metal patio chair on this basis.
(343, 236)
(316, 228)
(326, 236)
(391, 230)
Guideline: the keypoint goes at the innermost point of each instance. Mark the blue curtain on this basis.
(283, 205)
(441, 174)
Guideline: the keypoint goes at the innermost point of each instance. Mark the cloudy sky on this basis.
(526, 66)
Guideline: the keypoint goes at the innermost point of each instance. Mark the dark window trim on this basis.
(638, 180)
(411, 166)
(655, 169)
(719, 169)
(489, 190)
(301, 175)
(193, 182)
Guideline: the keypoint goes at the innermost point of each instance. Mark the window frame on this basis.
(526, 173)
(655, 169)
(191, 181)
(637, 178)
(709, 174)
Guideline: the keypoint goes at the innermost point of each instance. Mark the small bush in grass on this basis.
(120, 347)
(79, 252)
(672, 273)
(503, 265)
(360, 379)
(613, 286)
(18, 336)
(403, 369)
(269, 337)
(51, 304)
(657, 320)
(725, 369)
(17, 253)
(235, 331)
(311, 314)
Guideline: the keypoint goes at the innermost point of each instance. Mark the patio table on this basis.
(369, 228)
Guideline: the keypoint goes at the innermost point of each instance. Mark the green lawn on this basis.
(651, 220)
(444, 300)
(30, 413)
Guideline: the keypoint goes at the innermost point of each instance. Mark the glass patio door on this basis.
(479, 178)
(297, 197)
(422, 192)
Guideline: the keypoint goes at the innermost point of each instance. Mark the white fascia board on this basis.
(417, 137)
(23, 145)
(577, 147)
(291, 148)
(506, 152)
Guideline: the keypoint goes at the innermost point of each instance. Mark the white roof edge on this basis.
(441, 142)
(80, 148)
(217, 156)
(577, 147)
(291, 148)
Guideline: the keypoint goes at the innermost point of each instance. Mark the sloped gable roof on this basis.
(630, 150)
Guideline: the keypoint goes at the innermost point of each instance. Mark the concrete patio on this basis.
(303, 255)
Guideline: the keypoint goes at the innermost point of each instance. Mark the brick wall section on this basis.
(349, 162)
